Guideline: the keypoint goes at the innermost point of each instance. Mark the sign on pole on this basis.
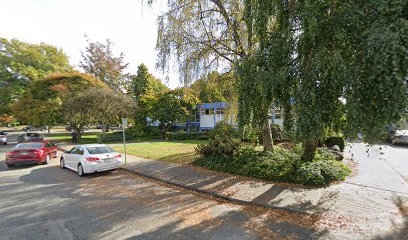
(124, 126)
(124, 122)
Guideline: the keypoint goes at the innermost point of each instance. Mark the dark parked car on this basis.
(31, 128)
(70, 129)
(398, 136)
(3, 138)
(27, 137)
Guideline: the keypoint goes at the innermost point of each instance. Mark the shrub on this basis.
(321, 173)
(223, 142)
(220, 147)
(249, 134)
(136, 131)
(224, 129)
(339, 141)
(176, 136)
(152, 131)
(113, 137)
(278, 133)
(280, 165)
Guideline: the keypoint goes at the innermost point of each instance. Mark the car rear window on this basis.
(29, 145)
(100, 150)
(33, 135)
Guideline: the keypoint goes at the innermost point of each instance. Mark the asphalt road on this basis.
(46, 202)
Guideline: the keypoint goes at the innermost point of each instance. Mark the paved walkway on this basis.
(364, 202)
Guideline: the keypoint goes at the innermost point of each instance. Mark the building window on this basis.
(207, 111)
(278, 113)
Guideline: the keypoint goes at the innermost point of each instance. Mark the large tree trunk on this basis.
(267, 135)
(309, 150)
(105, 129)
(78, 130)
(49, 129)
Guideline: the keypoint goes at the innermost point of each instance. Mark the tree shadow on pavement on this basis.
(249, 189)
(117, 205)
(400, 230)
(3, 166)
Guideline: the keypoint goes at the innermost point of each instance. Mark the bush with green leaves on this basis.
(223, 143)
(130, 133)
(339, 141)
(281, 165)
(152, 131)
(250, 134)
(319, 173)
(136, 131)
(177, 136)
(113, 137)
(278, 133)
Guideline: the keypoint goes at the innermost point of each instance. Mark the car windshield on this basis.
(29, 146)
(100, 150)
(2, 133)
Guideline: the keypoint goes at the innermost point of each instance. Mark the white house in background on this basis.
(205, 116)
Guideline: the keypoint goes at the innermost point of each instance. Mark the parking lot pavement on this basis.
(46, 202)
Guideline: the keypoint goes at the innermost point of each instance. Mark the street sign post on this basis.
(124, 126)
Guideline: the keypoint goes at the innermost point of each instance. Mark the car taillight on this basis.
(10, 153)
(92, 159)
(118, 156)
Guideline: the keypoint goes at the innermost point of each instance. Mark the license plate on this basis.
(108, 160)
(24, 153)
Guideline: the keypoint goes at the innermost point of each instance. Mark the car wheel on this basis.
(62, 163)
(5, 143)
(80, 170)
(9, 165)
(47, 159)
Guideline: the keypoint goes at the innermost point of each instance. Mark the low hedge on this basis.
(130, 133)
(281, 165)
(113, 137)
(176, 136)
(339, 141)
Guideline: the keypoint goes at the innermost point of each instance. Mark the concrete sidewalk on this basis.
(297, 198)
(352, 204)
(364, 203)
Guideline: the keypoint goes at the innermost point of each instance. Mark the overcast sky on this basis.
(63, 23)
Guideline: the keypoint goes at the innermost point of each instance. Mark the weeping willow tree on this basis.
(325, 53)
(267, 72)
(201, 36)
(377, 90)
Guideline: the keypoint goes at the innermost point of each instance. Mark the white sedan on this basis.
(91, 158)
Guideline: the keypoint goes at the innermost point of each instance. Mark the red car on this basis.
(31, 153)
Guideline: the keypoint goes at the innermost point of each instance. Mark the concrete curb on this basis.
(213, 195)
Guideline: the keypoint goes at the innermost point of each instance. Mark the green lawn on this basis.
(177, 151)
